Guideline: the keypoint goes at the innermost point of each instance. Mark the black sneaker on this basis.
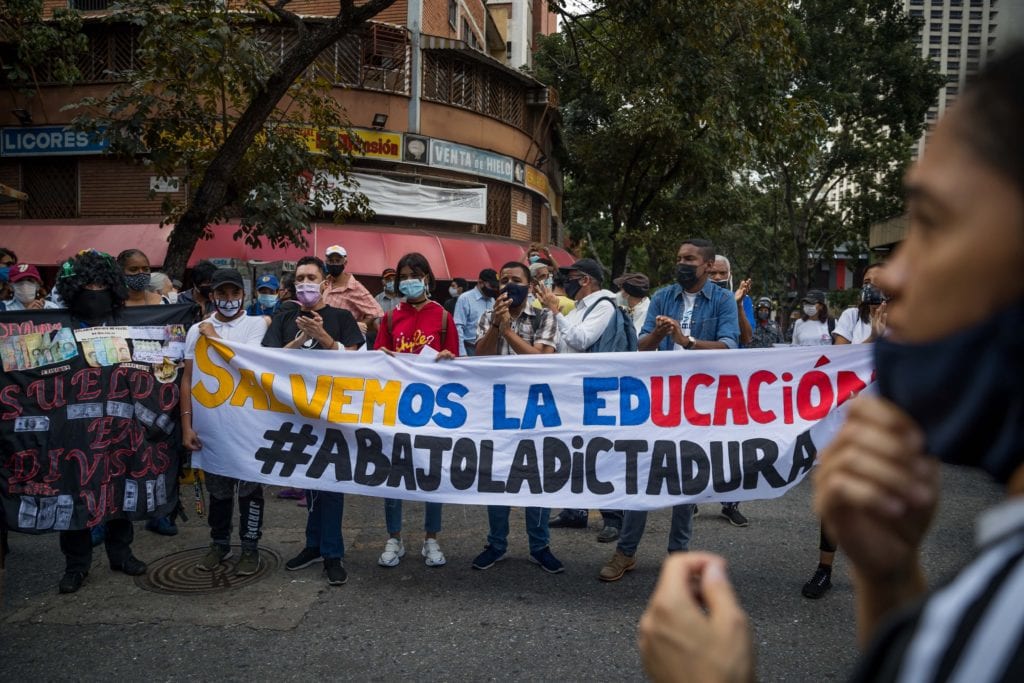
(819, 583)
(132, 566)
(305, 558)
(547, 561)
(569, 519)
(487, 558)
(335, 571)
(735, 517)
(71, 581)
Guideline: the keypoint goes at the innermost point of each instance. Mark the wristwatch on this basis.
(693, 343)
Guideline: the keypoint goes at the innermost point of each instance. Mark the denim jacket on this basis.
(714, 314)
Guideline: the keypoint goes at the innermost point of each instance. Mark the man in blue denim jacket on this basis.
(693, 314)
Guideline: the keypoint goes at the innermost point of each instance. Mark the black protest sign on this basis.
(89, 426)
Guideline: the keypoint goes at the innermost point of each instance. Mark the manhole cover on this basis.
(178, 573)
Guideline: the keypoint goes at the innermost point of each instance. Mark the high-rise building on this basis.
(516, 24)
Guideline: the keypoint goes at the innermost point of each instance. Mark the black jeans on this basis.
(250, 510)
(77, 545)
(611, 518)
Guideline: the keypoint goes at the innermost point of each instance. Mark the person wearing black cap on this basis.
(814, 328)
(389, 298)
(578, 332)
(473, 304)
(229, 322)
(633, 289)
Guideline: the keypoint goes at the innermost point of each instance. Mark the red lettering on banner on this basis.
(24, 466)
(848, 385)
(805, 405)
(694, 417)
(88, 383)
(659, 415)
(102, 426)
(142, 384)
(86, 469)
(54, 472)
(118, 379)
(37, 390)
(116, 466)
(98, 510)
(758, 414)
(730, 398)
(146, 456)
(168, 396)
(9, 400)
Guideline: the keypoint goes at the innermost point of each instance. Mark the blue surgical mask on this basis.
(389, 286)
(412, 289)
(267, 300)
(534, 258)
(5, 273)
(549, 283)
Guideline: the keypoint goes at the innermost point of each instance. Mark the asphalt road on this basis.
(512, 622)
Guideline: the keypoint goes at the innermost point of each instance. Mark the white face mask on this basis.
(810, 310)
(227, 307)
(172, 296)
(453, 291)
(25, 292)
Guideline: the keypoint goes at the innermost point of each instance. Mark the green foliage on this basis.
(198, 67)
(33, 43)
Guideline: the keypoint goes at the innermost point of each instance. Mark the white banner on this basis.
(620, 431)
(390, 197)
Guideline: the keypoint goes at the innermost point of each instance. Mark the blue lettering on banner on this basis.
(470, 160)
(38, 141)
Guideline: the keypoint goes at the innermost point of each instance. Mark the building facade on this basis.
(443, 126)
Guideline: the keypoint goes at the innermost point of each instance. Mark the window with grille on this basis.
(453, 13)
(90, 5)
(51, 186)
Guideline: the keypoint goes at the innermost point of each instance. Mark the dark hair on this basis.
(90, 267)
(288, 284)
(306, 260)
(417, 263)
(461, 283)
(203, 272)
(123, 257)
(994, 103)
(4, 251)
(707, 248)
(520, 265)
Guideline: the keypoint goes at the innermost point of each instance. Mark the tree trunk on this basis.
(212, 193)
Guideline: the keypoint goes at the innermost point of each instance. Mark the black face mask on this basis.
(724, 284)
(964, 391)
(94, 305)
(686, 275)
(335, 269)
(572, 288)
(516, 294)
(490, 292)
(763, 315)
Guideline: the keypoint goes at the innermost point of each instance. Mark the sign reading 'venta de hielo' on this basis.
(621, 430)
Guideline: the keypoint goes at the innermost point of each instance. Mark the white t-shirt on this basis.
(245, 329)
(686, 322)
(851, 327)
(811, 332)
(15, 305)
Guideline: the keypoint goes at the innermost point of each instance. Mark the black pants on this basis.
(77, 545)
(826, 544)
(250, 511)
(611, 517)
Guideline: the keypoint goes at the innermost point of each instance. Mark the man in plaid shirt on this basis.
(513, 328)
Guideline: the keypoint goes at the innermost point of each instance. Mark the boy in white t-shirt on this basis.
(229, 322)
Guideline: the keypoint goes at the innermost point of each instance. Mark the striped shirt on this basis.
(971, 630)
(533, 325)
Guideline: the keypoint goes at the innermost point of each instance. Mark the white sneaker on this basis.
(432, 551)
(394, 550)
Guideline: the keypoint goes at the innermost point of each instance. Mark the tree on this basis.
(211, 100)
(856, 103)
(662, 103)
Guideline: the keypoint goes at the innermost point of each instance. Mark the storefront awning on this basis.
(371, 248)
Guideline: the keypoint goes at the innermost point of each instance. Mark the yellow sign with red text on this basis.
(362, 142)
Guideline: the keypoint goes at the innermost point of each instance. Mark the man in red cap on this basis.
(26, 283)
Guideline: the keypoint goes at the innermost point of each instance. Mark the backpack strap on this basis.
(604, 298)
(444, 326)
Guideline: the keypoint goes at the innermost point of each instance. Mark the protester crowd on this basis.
(876, 487)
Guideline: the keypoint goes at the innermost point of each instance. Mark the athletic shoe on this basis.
(488, 557)
(131, 565)
(335, 571)
(305, 558)
(735, 517)
(547, 561)
(249, 563)
(71, 581)
(432, 552)
(569, 519)
(214, 556)
(163, 526)
(608, 534)
(394, 551)
(819, 584)
(291, 494)
(615, 568)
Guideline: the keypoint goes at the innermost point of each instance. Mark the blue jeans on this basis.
(536, 527)
(323, 525)
(393, 516)
(633, 524)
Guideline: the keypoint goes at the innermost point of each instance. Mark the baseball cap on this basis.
(22, 271)
(336, 249)
(489, 275)
(268, 280)
(587, 266)
(815, 296)
(389, 272)
(225, 276)
(635, 284)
